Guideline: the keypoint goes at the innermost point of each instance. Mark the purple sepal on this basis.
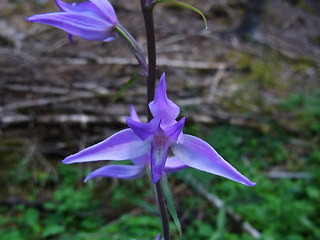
(157, 237)
(174, 164)
(162, 107)
(122, 145)
(198, 154)
(118, 171)
(133, 114)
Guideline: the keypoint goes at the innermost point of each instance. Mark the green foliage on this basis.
(170, 202)
(279, 208)
(272, 206)
(305, 112)
(125, 86)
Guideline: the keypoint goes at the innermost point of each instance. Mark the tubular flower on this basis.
(152, 140)
(92, 20)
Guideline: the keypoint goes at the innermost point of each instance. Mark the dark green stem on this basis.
(151, 44)
(162, 210)
(151, 82)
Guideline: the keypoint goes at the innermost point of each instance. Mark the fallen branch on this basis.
(60, 118)
(161, 62)
(288, 175)
(44, 101)
(218, 203)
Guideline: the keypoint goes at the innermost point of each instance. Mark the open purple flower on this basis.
(152, 140)
(173, 164)
(94, 20)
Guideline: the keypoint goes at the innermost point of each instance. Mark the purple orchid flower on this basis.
(173, 164)
(94, 20)
(151, 142)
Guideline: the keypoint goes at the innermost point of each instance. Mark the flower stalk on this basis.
(151, 45)
(133, 46)
(147, 11)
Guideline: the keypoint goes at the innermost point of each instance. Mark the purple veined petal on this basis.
(122, 145)
(106, 8)
(64, 6)
(87, 26)
(133, 114)
(159, 150)
(143, 130)
(198, 154)
(174, 131)
(174, 164)
(118, 171)
(162, 107)
(81, 7)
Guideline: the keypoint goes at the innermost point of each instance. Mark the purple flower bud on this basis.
(94, 20)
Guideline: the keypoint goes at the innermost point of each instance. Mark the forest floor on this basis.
(255, 100)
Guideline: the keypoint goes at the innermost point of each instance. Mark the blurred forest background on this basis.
(249, 85)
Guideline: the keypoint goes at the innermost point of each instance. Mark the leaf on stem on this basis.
(185, 5)
(128, 84)
(170, 202)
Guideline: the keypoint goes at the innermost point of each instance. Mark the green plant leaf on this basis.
(128, 84)
(52, 230)
(170, 202)
(185, 5)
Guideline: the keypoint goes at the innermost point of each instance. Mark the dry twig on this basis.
(218, 203)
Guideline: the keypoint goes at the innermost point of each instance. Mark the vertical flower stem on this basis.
(162, 210)
(151, 81)
(151, 44)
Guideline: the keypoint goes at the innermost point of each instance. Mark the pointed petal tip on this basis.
(251, 184)
(162, 83)
(163, 77)
(65, 161)
(155, 179)
(198, 154)
(29, 19)
(245, 181)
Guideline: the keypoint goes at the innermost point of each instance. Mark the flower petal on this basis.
(162, 107)
(198, 154)
(174, 131)
(142, 160)
(159, 150)
(133, 114)
(157, 237)
(81, 7)
(120, 146)
(174, 164)
(143, 130)
(106, 8)
(87, 26)
(118, 171)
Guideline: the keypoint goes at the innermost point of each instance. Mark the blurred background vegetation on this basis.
(249, 85)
